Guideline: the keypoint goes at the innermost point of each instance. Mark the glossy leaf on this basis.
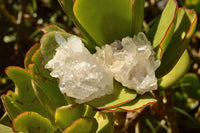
(105, 122)
(177, 72)
(120, 95)
(52, 27)
(104, 20)
(185, 27)
(139, 102)
(83, 125)
(45, 86)
(67, 6)
(137, 15)
(66, 115)
(31, 122)
(29, 54)
(24, 98)
(161, 33)
(5, 129)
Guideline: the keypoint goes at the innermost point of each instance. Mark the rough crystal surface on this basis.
(132, 62)
(81, 75)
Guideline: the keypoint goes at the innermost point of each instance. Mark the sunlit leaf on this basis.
(24, 98)
(161, 33)
(5, 129)
(177, 72)
(139, 102)
(105, 122)
(66, 115)
(31, 122)
(51, 27)
(83, 125)
(120, 95)
(185, 27)
(104, 20)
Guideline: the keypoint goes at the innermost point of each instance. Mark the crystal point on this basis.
(132, 62)
(81, 75)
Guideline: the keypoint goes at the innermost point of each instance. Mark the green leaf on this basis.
(52, 27)
(66, 115)
(105, 122)
(49, 44)
(24, 98)
(27, 59)
(137, 15)
(139, 102)
(31, 122)
(67, 6)
(191, 85)
(185, 27)
(177, 72)
(161, 33)
(83, 125)
(104, 20)
(5, 129)
(120, 95)
(45, 86)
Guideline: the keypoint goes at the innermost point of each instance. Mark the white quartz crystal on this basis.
(132, 62)
(81, 75)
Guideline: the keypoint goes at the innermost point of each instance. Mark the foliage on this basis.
(37, 104)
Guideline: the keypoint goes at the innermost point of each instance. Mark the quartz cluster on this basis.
(81, 75)
(132, 62)
(85, 77)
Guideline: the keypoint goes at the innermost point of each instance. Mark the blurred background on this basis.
(20, 24)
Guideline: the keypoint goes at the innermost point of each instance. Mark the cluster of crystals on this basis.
(81, 75)
(132, 62)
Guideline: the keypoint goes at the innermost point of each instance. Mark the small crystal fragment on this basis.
(81, 75)
(132, 62)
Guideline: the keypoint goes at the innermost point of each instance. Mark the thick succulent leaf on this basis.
(52, 27)
(31, 122)
(191, 85)
(177, 72)
(49, 44)
(139, 102)
(24, 98)
(27, 59)
(104, 20)
(137, 15)
(185, 27)
(66, 115)
(5, 129)
(45, 86)
(67, 6)
(83, 125)
(105, 122)
(161, 33)
(120, 95)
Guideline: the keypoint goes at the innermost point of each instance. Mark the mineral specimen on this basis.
(81, 75)
(132, 62)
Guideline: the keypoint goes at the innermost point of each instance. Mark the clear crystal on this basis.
(81, 75)
(132, 62)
